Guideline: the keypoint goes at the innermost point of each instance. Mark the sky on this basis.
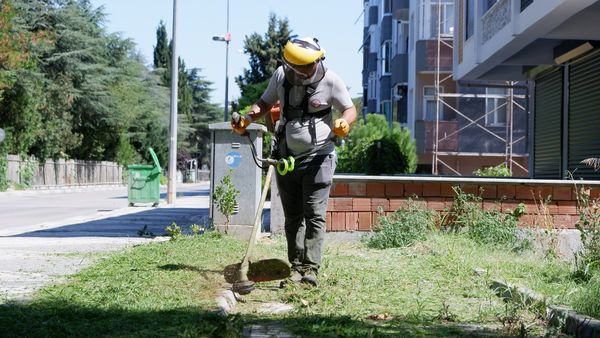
(338, 24)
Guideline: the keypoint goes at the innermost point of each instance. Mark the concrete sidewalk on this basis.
(40, 254)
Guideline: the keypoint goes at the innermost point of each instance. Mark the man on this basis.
(306, 91)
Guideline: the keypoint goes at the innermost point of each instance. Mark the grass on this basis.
(168, 289)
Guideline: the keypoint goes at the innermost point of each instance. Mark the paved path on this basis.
(37, 254)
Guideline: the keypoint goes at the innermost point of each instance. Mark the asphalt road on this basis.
(48, 235)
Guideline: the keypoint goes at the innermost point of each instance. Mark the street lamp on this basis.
(225, 39)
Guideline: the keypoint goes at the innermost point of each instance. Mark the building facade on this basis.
(408, 51)
(554, 44)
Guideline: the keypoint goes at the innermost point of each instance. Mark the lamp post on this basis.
(171, 186)
(225, 39)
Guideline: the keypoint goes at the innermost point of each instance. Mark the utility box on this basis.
(231, 154)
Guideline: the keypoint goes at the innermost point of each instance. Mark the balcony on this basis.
(425, 135)
(495, 19)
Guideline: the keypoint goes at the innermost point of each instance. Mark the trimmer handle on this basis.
(236, 117)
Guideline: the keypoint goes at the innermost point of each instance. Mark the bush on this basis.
(402, 228)
(500, 170)
(588, 259)
(486, 226)
(372, 147)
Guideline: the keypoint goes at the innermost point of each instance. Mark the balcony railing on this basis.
(495, 19)
(447, 135)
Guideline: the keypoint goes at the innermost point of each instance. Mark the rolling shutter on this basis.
(584, 115)
(547, 125)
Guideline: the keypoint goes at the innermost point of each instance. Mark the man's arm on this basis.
(349, 114)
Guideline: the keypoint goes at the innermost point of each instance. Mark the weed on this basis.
(486, 226)
(196, 229)
(225, 198)
(586, 302)
(174, 231)
(544, 224)
(587, 259)
(401, 228)
(500, 170)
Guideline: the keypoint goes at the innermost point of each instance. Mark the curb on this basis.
(567, 319)
(226, 302)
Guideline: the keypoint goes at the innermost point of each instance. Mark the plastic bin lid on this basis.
(153, 154)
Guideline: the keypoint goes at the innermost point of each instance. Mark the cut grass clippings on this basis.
(168, 290)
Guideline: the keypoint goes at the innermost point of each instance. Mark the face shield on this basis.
(303, 74)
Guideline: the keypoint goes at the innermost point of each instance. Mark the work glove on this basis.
(239, 123)
(341, 128)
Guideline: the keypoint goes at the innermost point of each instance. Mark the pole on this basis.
(227, 38)
(171, 189)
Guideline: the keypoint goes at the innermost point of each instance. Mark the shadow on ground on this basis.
(60, 318)
(146, 223)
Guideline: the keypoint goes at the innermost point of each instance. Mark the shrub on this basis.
(225, 198)
(500, 170)
(373, 147)
(401, 228)
(486, 226)
(588, 259)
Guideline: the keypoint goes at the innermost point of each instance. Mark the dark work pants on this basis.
(304, 194)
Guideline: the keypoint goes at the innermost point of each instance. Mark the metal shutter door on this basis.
(547, 125)
(584, 115)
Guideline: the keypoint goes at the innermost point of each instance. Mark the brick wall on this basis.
(355, 200)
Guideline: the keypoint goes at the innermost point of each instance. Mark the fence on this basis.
(63, 172)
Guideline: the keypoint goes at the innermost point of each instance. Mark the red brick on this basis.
(567, 207)
(562, 221)
(530, 207)
(561, 193)
(431, 189)
(411, 189)
(339, 189)
(361, 204)
(506, 191)
(488, 190)
(420, 203)
(436, 203)
(343, 204)
(394, 190)
(525, 192)
(397, 203)
(491, 205)
(357, 189)
(364, 221)
(328, 221)
(527, 220)
(380, 202)
(339, 221)
(449, 202)
(351, 221)
(446, 190)
(552, 208)
(509, 206)
(375, 190)
(595, 193)
(470, 189)
(331, 204)
(544, 191)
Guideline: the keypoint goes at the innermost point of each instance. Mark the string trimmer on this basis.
(243, 275)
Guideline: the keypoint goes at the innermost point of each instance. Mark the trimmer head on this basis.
(243, 288)
(260, 271)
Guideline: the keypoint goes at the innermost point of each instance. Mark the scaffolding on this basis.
(441, 101)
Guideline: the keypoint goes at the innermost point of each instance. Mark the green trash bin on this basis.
(144, 182)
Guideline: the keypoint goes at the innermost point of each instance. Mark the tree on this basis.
(162, 53)
(264, 55)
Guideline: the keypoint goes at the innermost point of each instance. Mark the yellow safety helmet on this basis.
(303, 51)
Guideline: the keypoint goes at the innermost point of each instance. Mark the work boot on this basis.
(294, 278)
(310, 278)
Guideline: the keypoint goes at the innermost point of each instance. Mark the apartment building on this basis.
(408, 54)
(554, 44)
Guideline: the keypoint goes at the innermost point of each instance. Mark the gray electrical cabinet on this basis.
(231, 155)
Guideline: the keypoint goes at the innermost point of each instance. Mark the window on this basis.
(386, 56)
(434, 10)
(386, 7)
(372, 89)
(399, 113)
(429, 103)
(495, 107)
(470, 15)
(386, 109)
(401, 37)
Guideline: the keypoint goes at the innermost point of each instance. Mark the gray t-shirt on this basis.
(329, 91)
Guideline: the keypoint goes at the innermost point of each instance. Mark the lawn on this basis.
(168, 289)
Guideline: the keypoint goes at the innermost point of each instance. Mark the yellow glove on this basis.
(239, 123)
(341, 128)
